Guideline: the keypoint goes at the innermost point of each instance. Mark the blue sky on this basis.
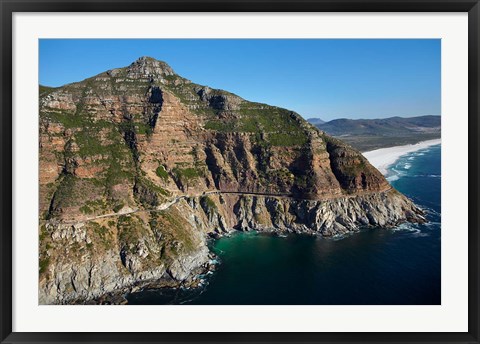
(329, 79)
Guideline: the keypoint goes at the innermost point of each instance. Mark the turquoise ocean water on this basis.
(398, 266)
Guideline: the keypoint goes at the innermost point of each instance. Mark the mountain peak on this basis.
(146, 58)
(143, 67)
(147, 66)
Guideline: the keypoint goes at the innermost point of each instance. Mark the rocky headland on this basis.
(139, 166)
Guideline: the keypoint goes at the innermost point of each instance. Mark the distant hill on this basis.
(316, 121)
(369, 134)
(392, 126)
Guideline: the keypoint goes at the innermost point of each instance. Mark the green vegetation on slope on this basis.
(162, 173)
(280, 124)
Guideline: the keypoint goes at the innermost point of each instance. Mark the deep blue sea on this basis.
(398, 266)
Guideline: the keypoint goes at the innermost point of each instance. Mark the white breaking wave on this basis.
(420, 235)
(393, 178)
(385, 157)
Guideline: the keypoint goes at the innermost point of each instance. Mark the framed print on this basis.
(241, 171)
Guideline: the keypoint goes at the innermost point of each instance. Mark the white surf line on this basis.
(385, 157)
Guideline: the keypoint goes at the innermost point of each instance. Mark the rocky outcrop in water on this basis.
(139, 165)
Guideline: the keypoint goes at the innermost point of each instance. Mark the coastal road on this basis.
(166, 205)
(175, 200)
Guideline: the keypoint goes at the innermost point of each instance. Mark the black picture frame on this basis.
(8, 7)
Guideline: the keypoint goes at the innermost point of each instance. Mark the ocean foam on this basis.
(385, 157)
(393, 178)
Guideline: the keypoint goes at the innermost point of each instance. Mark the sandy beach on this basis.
(384, 157)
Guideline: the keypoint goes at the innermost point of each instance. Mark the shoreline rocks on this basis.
(112, 274)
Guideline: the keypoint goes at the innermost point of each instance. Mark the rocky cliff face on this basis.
(138, 165)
